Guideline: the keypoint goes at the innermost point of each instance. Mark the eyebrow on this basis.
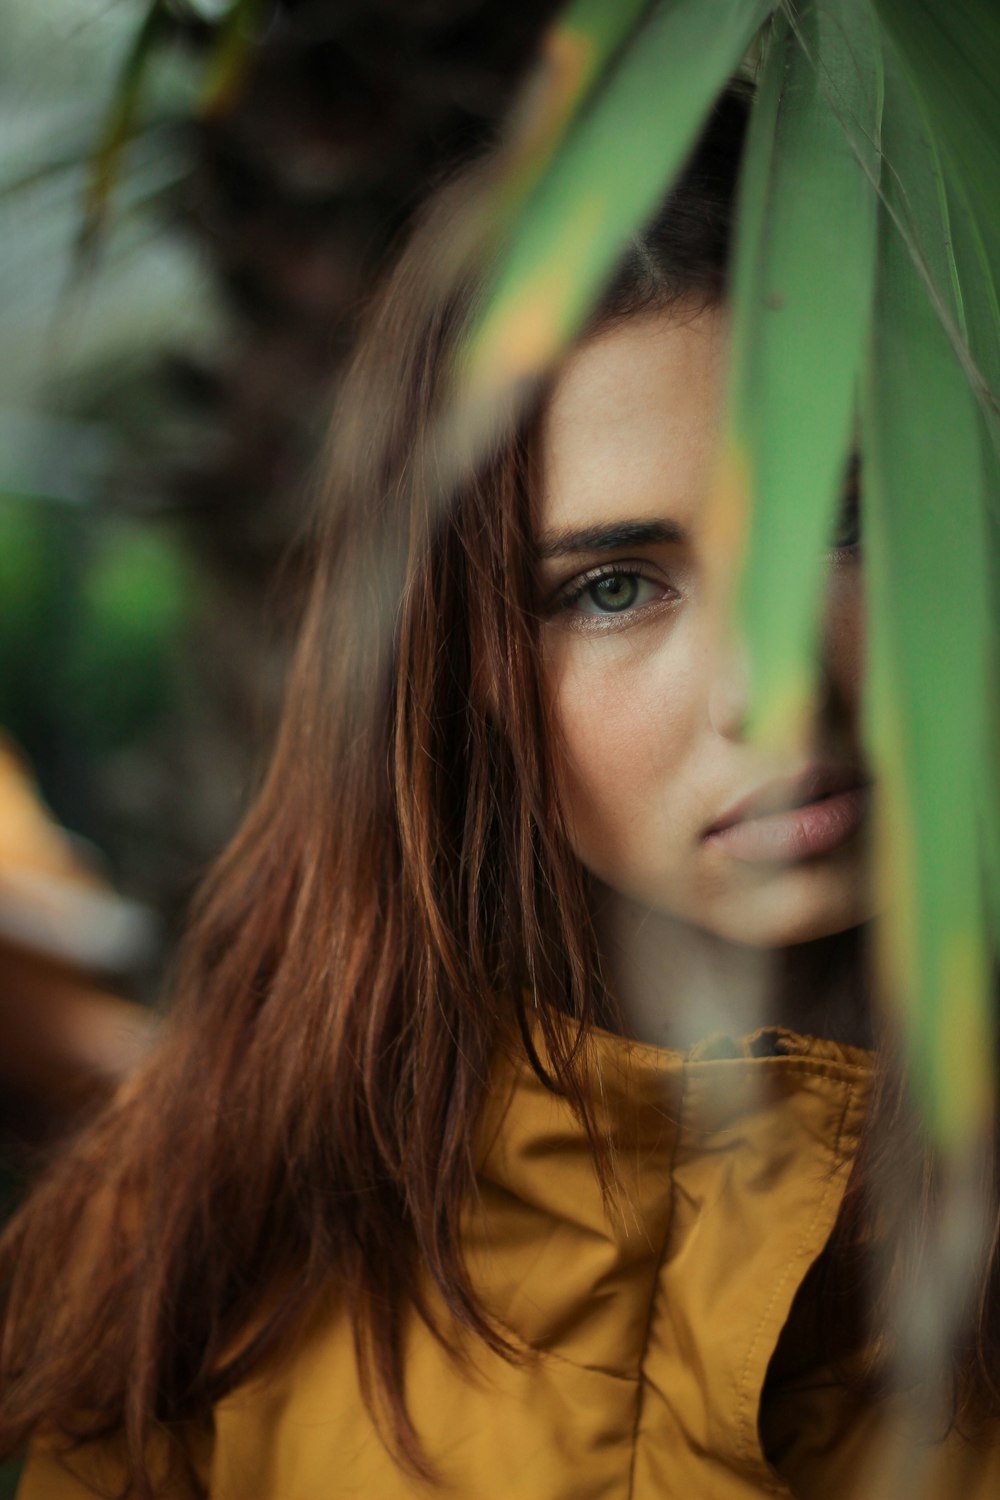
(608, 538)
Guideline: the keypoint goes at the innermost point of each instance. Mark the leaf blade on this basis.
(804, 272)
(598, 189)
(928, 590)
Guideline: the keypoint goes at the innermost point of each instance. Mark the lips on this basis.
(782, 795)
(796, 817)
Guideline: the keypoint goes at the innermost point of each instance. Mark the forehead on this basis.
(631, 427)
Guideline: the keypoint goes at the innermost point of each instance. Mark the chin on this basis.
(801, 905)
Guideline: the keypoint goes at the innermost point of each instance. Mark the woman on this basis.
(500, 1140)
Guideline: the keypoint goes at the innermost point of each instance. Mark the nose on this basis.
(729, 692)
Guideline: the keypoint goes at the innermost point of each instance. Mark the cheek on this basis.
(625, 722)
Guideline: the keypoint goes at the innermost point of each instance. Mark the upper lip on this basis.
(787, 792)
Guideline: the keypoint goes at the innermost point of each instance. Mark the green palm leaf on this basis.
(575, 53)
(979, 311)
(804, 273)
(951, 52)
(929, 589)
(601, 184)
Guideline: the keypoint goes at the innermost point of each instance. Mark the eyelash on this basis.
(572, 592)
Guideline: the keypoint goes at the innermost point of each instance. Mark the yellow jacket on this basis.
(670, 1352)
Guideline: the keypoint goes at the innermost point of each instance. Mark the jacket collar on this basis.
(727, 1166)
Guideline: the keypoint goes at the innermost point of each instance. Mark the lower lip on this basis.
(800, 833)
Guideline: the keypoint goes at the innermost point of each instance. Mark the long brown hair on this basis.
(400, 903)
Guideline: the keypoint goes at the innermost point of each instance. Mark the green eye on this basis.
(616, 592)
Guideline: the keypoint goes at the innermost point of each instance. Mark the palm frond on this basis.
(804, 270)
(928, 579)
(599, 186)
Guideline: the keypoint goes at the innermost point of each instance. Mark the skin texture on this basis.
(649, 700)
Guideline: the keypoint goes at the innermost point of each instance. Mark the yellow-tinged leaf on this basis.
(617, 158)
(964, 1039)
(525, 338)
(567, 64)
(727, 515)
(928, 578)
(802, 287)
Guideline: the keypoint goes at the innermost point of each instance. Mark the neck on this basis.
(676, 983)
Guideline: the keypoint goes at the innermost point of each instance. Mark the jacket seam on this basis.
(551, 1356)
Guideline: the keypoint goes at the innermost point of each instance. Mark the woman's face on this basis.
(667, 802)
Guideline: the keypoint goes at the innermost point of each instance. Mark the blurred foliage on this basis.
(93, 610)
